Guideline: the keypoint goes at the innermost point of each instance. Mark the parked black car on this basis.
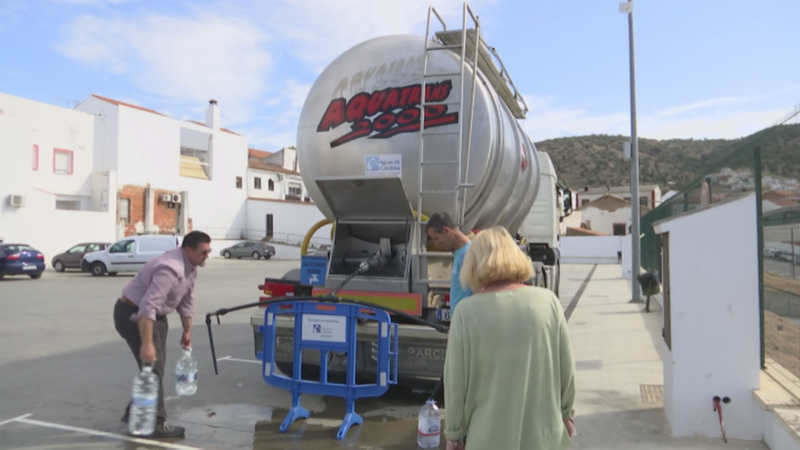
(71, 259)
(21, 259)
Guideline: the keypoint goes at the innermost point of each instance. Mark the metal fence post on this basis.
(757, 175)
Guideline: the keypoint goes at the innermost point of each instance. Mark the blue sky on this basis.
(703, 69)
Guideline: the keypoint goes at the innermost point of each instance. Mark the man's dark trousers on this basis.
(129, 330)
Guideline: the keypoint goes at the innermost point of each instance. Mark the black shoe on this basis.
(165, 430)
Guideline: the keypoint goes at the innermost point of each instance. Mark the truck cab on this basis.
(541, 229)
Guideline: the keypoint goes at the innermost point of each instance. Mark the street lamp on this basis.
(627, 8)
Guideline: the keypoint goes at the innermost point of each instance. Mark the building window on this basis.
(195, 154)
(62, 161)
(35, 157)
(257, 183)
(238, 182)
(584, 201)
(271, 185)
(619, 229)
(643, 201)
(295, 193)
(125, 211)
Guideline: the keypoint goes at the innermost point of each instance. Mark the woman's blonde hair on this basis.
(494, 256)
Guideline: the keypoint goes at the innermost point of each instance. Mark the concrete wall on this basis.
(291, 221)
(778, 434)
(590, 249)
(714, 321)
(53, 231)
(25, 124)
(49, 129)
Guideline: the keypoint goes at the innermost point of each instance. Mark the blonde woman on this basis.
(509, 373)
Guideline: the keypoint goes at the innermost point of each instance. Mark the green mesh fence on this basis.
(767, 163)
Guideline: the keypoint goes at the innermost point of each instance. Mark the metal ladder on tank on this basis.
(461, 160)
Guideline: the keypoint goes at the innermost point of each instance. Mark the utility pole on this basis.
(627, 8)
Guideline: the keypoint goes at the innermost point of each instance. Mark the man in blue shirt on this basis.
(444, 233)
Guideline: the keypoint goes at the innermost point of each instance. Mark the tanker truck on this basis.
(395, 129)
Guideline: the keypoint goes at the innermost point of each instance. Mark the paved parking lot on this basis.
(65, 374)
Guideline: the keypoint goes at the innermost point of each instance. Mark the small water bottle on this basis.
(186, 374)
(429, 427)
(142, 416)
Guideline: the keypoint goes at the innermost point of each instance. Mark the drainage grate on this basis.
(652, 393)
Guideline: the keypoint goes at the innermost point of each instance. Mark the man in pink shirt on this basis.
(164, 284)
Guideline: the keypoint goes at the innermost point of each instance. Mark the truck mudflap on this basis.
(422, 349)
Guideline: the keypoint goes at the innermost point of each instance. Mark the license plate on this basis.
(443, 315)
(28, 267)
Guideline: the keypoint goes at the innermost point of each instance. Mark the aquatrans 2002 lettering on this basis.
(388, 112)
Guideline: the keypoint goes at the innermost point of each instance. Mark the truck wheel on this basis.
(98, 269)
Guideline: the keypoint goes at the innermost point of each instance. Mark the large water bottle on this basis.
(186, 374)
(429, 427)
(142, 416)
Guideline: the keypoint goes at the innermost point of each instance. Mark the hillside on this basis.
(597, 160)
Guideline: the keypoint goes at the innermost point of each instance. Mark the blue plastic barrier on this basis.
(328, 327)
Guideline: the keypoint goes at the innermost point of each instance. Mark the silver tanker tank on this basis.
(361, 117)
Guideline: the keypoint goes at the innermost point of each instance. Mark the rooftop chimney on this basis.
(212, 115)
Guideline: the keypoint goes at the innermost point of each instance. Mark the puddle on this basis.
(390, 423)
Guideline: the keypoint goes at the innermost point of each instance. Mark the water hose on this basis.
(322, 223)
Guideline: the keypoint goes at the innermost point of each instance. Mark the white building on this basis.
(109, 169)
(649, 194)
(608, 215)
(52, 196)
(173, 175)
(275, 176)
(278, 202)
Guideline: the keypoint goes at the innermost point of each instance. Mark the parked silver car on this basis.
(249, 249)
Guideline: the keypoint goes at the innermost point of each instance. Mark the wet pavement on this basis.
(65, 375)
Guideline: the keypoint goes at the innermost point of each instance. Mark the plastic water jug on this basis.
(186, 374)
(142, 415)
(429, 427)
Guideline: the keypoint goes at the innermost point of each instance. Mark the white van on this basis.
(128, 254)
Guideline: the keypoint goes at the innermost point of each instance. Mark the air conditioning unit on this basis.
(16, 200)
(171, 198)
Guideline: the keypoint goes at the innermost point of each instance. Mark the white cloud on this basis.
(296, 94)
(182, 60)
(702, 119)
(316, 31)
